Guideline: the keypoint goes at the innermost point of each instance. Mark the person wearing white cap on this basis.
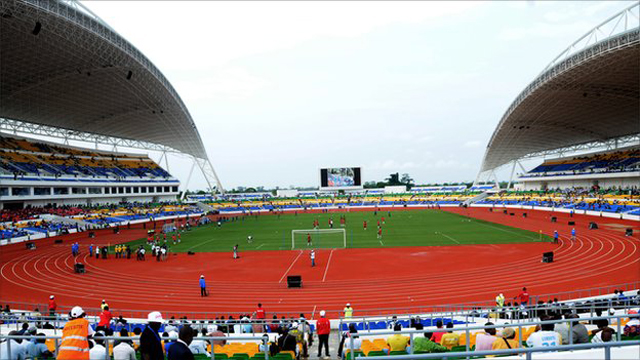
(75, 336)
(348, 311)
(324, 329)
(52, 306)
(203, 286)
(150, 344)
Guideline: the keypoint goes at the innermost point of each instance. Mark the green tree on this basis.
(407, 180)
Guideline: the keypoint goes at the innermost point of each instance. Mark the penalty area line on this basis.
(261, 245)
(290, 266)
(450, 238)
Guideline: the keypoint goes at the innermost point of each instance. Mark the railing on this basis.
(468, 329)
(527, 351)
(108, 339)
(508, 313)
(227, 328)
(336, 313)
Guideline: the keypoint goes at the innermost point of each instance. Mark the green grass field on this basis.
(401, 228)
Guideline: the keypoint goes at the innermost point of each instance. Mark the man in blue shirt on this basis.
(573, 234)
(37, 348)
(203, 286)
(555, 236)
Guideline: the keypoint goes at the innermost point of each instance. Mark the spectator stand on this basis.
(523, 330)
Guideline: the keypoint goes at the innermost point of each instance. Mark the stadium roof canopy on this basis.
(64, 72)
(588, 96)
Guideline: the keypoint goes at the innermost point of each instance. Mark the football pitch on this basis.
(400, 228)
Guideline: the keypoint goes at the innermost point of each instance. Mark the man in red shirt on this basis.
(105, 319)
(52, 306)
(364, 224)
(523, 296)
(324, 328)
(259, 313)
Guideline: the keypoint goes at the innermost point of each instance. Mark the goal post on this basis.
(320, 238)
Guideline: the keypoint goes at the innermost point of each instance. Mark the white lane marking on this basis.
(290, 266)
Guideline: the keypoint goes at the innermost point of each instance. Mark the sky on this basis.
(281, 89)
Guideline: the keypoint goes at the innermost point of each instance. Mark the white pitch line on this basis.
(450, 238)
(505, 230)
(261, 245)
(328, 262)
(381, 242)
(290, 266)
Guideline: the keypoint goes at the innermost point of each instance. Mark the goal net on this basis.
(320, 238)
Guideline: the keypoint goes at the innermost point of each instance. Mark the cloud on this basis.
(225, 83)
(472, 144)
(393, 165)
(217, 33)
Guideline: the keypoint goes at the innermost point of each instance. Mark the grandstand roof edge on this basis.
(570, 59)
(177, 119)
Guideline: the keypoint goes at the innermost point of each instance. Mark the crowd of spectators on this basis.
(23, 157)
(16, 222)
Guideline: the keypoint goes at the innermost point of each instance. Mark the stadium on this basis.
(88, 217)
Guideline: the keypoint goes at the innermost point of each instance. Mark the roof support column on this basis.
(186, 185)
(513, 170)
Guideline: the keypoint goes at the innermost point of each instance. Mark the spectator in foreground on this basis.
(199, 346)
(580, 332)
(180, 349)
(287, 342)
(604, 333)
(345, 342)
(485, 341)
(544, 335)
(37, 349)
(450, 339)
(170, 327)
(18, 350)
(562, 329)
(124, 349)
(136, 337)
(150, 344)
(98, 351)
(437, 336)
(105, 318)
(398, 342)
(506, 341)
(632, 328)
(425, 345)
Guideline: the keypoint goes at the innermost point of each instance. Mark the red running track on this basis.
(370, 279)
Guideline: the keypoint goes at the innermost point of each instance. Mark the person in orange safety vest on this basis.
(75, 337)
